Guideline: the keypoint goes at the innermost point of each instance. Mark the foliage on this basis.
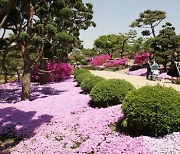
(89, 53)
(152, 110)
(54, 72)
(141, 58)
(78, 71)
(166, 40)
(109, 44)
(89, 83)
(77, 56)
(81, 77)
(35, 23)
(149, 19)
(110, 92)
(164, 43)
(99, 60)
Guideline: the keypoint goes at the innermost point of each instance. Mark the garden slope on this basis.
(63, 122)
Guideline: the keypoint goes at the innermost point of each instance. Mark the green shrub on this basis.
(153, 111)
(110, 92)
(83, 76)
(78, 71)
(89, 83)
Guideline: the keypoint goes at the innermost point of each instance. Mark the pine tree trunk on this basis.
(4, 69)
(26, 78)
(153, 32)
(43, 75)
(18, 74)
(26, 81)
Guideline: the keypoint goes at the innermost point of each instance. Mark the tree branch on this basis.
(158, 22)
(3, 20)
(8, 7)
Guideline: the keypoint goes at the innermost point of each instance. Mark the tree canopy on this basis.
(114, 43)
(44, 29)
(149, 19)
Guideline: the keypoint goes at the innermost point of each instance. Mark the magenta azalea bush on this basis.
(119, 62)
(57, 72)
(141, 58)
(99, 60)
(108, 64)
(116, 63)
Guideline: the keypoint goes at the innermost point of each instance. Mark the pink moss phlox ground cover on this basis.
(139, 72)
(142, 72)
(65, 124)
(11, 92)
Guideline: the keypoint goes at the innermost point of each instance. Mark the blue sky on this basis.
(115, 16)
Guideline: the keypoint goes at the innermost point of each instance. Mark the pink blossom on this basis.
(140, 58)
(99, 60)
(121, 61)
(108, 64)
(57, 72)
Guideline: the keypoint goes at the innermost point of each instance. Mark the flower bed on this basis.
(64, 123)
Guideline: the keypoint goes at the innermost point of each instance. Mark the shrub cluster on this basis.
(83, 76)
(56, 72)
(110, 92)
(153, 111)
(89, 83)
(78, 71)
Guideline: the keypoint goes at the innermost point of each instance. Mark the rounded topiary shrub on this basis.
(83, 76)
(153, 111)
(89, 83)
(110, 92)
(79, 71)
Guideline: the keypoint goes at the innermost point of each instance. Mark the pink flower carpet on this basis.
(59, 120)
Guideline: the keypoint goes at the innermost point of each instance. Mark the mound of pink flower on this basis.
(141, 58)
(99, 60)
(116, 63)
(119, 62)
(65, 123)
(55, 72)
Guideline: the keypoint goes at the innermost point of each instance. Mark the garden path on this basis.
(137, 81)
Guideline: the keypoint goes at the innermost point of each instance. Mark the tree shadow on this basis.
(18, 125)
(12, 94)
(43, 92)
